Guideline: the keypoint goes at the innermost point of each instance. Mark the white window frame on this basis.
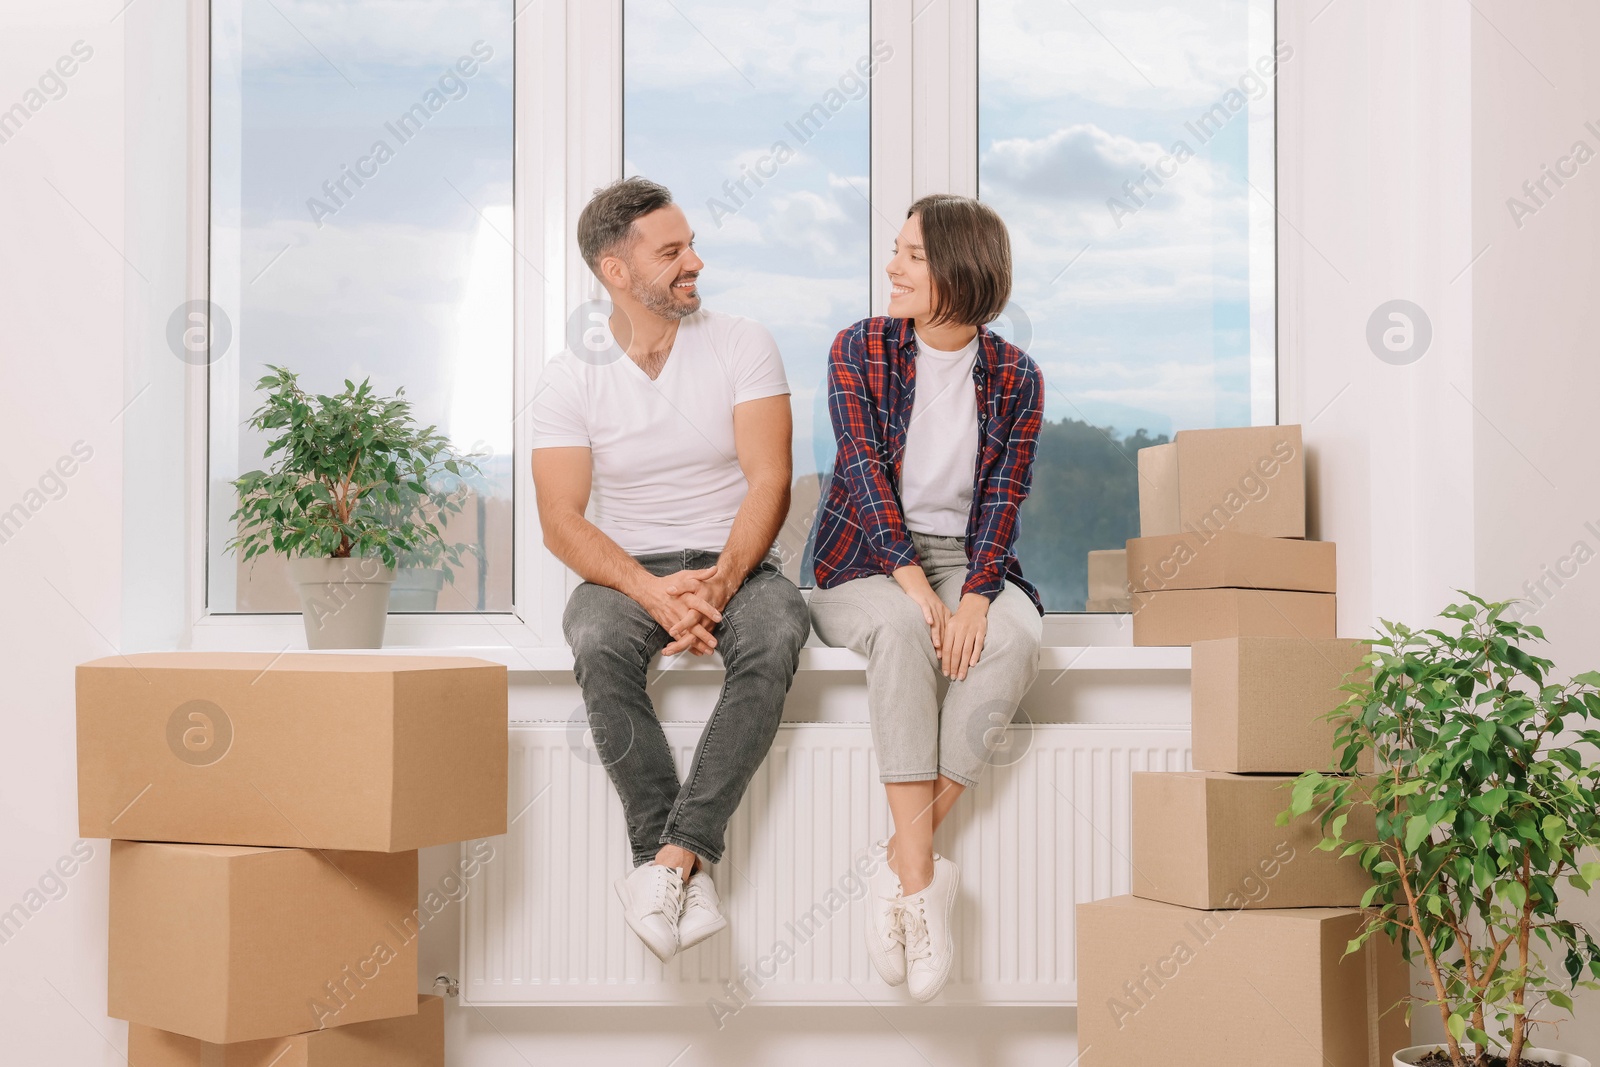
(568, 142)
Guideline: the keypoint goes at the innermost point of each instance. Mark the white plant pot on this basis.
(1408, 1057)
(344, 602)
(416, 589)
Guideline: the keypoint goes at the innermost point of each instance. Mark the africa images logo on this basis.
(199, 732)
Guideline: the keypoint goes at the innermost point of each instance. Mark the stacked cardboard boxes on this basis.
(266, 811)
(1222, 549)
(1231, 947)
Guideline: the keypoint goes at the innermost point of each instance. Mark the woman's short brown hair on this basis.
(969, 256)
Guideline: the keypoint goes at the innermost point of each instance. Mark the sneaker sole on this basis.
(622, 895)
(711, 930)
(883, 961)
(944, 976)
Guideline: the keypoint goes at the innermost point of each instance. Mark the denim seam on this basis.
(919, 776)
(693, 844)
(705, 741)
(960, 779)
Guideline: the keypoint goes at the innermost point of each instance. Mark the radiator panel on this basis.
(542, 924)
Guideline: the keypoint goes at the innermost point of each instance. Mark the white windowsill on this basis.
(506, 639)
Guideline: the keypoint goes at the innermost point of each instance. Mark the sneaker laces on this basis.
(914, 923)
(896, 914)
(666, 895)
(696, 895)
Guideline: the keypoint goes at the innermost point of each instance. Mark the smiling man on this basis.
(678, 430)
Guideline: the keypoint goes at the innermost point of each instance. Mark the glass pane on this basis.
(361, 228)
(1129, 145)
(759, 126)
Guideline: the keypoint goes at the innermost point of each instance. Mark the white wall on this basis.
(1535, 373)
(1389, 186)
(62, 283)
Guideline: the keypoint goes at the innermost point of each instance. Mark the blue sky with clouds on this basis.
(1149, 326)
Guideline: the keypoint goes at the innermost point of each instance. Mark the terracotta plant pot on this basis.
(1408, 1057)
(345, 602)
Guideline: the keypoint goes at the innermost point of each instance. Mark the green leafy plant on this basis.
(448, 491)
(354, 476)
(1484, 804)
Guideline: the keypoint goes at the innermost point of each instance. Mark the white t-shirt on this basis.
(666, 470)
(941, 442)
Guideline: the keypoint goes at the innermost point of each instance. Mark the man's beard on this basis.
(658, 300)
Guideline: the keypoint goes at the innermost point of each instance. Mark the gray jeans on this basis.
(917, 739)
(613, 640)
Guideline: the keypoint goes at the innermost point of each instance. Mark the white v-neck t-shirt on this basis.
(666, 469)
(941, 442)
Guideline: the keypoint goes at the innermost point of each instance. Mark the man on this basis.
(680, 429)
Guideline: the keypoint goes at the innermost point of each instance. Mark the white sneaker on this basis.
(652, 901)
(702, 911)
(926, 917)
(886, 937)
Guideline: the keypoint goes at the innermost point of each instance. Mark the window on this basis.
(361, 191)
(1129, 146)
(759, 126)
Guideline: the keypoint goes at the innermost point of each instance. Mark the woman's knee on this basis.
(1015, 627)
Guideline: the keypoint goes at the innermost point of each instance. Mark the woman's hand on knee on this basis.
(914, 581)
(963, 637)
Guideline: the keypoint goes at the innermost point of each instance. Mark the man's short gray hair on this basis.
(606, 225)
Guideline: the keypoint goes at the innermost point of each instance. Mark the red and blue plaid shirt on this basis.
(861, 528)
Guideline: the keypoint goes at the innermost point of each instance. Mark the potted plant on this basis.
(338, 501)
(1487, 799)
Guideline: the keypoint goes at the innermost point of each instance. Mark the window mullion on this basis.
(944, 65)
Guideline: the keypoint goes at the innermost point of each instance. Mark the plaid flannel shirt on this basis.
(861, 526)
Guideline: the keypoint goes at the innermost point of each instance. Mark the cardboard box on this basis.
(408, 1041)
(1257, 703)
(226, 943)
(1123, 604)
(1158, 490)
(1108, 574)
(368, 753)
(1229, 560)
(1246, 480)
(1204, 839)
(1160, 984)
(1184, 616)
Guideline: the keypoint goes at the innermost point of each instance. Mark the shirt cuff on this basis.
(761, 392)
(987, 580)
(902, 553)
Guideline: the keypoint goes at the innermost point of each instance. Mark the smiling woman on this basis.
(361, 195)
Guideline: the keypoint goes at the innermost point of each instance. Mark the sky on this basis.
(1141, 317)
(405, 277)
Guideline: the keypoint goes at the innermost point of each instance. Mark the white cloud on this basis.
(1122, 53)
(779, 48)
(1077, 163)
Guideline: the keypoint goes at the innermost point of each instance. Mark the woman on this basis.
(937, 419)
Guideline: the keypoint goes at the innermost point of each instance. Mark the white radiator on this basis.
(542, 924)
